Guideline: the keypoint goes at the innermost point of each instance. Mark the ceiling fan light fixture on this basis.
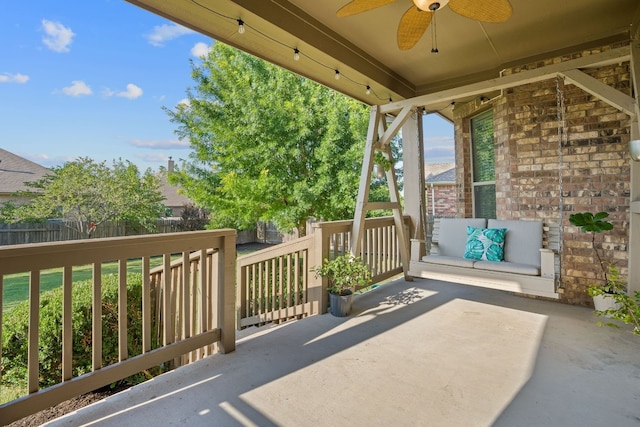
(430, 5)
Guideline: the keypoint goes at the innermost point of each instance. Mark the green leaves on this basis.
(345, 272)
(87, 192)
(589, 222)
(284, 148)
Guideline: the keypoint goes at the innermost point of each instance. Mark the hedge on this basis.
(15, 332)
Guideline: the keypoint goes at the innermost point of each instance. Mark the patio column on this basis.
(414, 200)
(634, 215)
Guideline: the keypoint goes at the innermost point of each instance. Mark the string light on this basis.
(242, 26)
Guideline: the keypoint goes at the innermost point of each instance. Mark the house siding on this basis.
(539, 178)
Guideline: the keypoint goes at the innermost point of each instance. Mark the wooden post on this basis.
(413, 163)
(633, 278)
(379, 138)
(318, 285)
(226, 294)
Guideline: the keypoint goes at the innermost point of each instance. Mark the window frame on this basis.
(476, 184)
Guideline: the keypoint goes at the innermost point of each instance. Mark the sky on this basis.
(90, 79)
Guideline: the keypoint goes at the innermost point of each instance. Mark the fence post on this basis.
(318, 285)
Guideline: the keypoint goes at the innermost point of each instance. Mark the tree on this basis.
(268, 145)
(87, 194)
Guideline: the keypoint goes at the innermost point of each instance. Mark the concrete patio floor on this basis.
(422, 353)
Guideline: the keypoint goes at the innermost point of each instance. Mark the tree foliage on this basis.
(89, 193)
(268, 145)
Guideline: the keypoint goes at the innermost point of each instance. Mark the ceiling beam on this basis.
(608, 57)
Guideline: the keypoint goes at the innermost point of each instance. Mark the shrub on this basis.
(16, 322)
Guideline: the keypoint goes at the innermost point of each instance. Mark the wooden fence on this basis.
(60, 230)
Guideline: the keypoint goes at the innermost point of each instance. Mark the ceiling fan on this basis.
(417, 18)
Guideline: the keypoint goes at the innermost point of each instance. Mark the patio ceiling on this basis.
(363, 48)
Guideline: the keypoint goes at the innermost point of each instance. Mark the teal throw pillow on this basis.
(485, 244)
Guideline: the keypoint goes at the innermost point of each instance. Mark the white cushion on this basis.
(452, 236)
(448, 260)
(523, 240)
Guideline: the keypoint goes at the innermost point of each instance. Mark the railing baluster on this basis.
(186, 299)
(146, 305)
(204, 295)
(34, 321)
(96, 314)
(167, 336)
(122, 310)
(67, 328)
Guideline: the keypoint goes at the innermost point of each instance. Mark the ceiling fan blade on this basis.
(483, 10)
(358, 6)
(412, 26)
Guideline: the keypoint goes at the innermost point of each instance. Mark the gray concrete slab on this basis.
(422, 353)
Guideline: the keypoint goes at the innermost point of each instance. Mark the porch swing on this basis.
(515, 275)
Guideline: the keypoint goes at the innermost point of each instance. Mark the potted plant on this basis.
(596, 223)
(381, 164)
(610, 299)
(344, 274)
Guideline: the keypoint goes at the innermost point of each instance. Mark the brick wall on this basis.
(546, 171)
(444, 197)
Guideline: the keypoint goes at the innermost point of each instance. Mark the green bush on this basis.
(16, 322)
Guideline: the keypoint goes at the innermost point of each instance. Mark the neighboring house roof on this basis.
(440, 172)
(173, 197)
(446, 177)
(16, 170)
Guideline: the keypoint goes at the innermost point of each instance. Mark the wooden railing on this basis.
(195, 306)
(273, 284)
(277, 283)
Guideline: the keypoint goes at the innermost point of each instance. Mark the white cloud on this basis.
(169, 143)
(58, 37)
(200, 49)
(184, 102)
(163, 33)
(13, 78)
(132, 92)
(77, 88)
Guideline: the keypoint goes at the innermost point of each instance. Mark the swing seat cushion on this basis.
(521, 245)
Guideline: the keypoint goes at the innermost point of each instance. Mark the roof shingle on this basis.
(16, 170)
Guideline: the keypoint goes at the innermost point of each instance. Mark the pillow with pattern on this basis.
(485, 244)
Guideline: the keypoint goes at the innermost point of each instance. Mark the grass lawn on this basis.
(16, 286)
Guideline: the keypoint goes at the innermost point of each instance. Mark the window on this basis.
(483, 166)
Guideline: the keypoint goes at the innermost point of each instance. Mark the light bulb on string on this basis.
(337, 76)
(296, 54)
(241, 28)
(368, 91)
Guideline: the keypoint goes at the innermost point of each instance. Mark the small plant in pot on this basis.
(610, 298)
(344, 274)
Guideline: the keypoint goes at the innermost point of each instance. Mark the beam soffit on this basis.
(609, 57)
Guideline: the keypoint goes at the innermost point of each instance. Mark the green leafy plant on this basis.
(345, 273)
(594, 223)
(381, 160)
(16, 329)
(627, 307)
